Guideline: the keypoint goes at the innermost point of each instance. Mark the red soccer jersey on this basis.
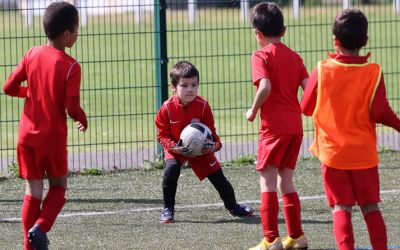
(52, 77)
(280, 113)
(173, 117)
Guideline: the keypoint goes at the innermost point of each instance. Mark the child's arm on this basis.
(381, 111)
(72, 102)
(75, 111)
(263, 91)
(12, 86)
(309, 100)
(304, 83)
(215, 144)
(164, 136)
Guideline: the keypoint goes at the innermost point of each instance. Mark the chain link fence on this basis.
(126, 48)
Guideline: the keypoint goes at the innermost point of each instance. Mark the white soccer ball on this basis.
(194, 136)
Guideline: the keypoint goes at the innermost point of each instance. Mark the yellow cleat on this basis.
(265, 245)
(298, 243)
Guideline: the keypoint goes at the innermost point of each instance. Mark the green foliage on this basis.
(242, 160)
(13, 169)
(157, 163)
(91, 171)
(383, 149)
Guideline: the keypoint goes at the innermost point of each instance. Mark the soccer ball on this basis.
(194, 136)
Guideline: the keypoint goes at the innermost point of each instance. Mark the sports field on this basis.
(121, 211)
(119, 86)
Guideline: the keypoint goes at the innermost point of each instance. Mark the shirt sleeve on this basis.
(75, 111)
(309, 99)
(73, 80)
(208, 120)
(12, 86)
(304, 72)
(259, 68)
(164, 135)
(381, 111)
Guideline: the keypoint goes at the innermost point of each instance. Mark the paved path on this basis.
(126, 159)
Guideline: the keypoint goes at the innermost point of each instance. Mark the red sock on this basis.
(343, 230)
(269, 210)
(29, 213)
(376, 229)
(51, 207)
(291, 210)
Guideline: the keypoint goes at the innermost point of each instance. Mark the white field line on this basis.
(151, 209)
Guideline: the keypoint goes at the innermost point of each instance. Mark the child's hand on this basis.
(210, 147)
(181, 150)
(80, 127)
(250, 115)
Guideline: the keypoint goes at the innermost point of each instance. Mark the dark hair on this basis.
(59, 17)
(267, 18)
(183, 69)
(351, 29)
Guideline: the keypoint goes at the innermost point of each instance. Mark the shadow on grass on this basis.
(243, 220)
(142, 201)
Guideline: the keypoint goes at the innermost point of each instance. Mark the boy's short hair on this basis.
(59, 17)
(267, 18)
(351, 29)
(183, 69)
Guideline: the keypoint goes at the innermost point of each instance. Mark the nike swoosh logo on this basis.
(173, 122)
(212, 164)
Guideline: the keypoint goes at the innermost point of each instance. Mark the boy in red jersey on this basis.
(277, 73)
(53, 85)
(184, 107)
(346, 96)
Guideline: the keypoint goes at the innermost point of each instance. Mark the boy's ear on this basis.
(336, 41)
(172, 87)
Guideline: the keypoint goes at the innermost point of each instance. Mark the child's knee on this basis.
(340, 207)
(365, 209)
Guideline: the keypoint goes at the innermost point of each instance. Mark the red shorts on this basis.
(34, 163)
(280, 151)
(351, 187)
(202, 166)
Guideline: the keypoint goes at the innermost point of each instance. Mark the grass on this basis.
(128, 206)
(118, 82)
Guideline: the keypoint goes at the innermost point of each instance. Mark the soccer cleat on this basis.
(167, 215)
(242, 210)
(298, 243)
(265, 245)
(38, 238)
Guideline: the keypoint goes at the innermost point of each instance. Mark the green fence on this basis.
(125, 57)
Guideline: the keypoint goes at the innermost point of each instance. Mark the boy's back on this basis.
(52, 76)
(280, 113)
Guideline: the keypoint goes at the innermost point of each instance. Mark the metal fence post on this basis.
(346, 4)
(244, 9)
(192, 5)
(161, 59)
(396, 6)
(296, 8)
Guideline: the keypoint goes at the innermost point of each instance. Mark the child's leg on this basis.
(30, 211)
(172, 171)
(53, 203)
(376, 226)
(342, 227)
(224, 188)
(269, 208)
(291, 203)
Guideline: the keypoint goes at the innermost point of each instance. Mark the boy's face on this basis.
(71, 37)
(186, 89)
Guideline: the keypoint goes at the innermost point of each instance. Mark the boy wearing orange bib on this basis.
(346, 97)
